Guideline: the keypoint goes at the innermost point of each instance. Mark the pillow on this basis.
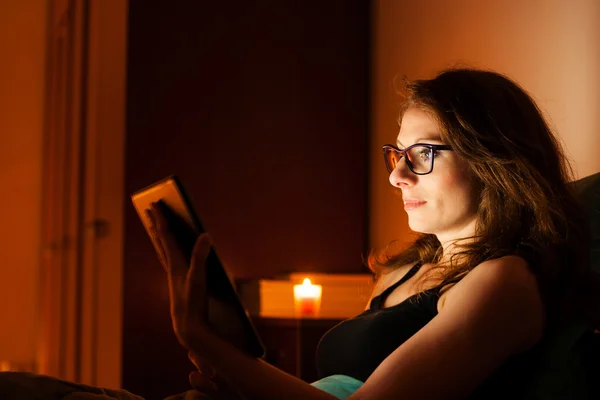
(561, 372)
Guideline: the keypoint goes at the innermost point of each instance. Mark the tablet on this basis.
(227, 316)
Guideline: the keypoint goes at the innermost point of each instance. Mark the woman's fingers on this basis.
(176, 266)
(201, 250)
(196, 277)
(176, 262)
(156, 239)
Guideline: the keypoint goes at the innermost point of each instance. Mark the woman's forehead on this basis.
(417, 125)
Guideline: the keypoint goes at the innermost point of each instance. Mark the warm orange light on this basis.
(307, 299)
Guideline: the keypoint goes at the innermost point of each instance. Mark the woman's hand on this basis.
(206, 381)
(187, 285)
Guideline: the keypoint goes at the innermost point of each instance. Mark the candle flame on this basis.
(307, 289)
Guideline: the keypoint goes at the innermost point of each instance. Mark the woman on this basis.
(458, 313)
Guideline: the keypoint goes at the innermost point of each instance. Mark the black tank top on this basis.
(357, 346)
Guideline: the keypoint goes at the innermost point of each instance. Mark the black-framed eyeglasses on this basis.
(419, 157)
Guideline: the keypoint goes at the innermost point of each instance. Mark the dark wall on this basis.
(260, 107)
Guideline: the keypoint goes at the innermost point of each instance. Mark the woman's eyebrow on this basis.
(426, 139)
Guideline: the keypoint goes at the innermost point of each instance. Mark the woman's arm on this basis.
(253, 377)
(494, 312)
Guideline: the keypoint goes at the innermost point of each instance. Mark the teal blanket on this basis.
(340, 386)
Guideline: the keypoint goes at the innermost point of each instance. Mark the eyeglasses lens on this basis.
(419, 161)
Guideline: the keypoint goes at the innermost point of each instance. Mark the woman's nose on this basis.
(402, 176)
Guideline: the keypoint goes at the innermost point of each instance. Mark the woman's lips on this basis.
(412, 204)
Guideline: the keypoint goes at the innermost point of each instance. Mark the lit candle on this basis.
(307, 299)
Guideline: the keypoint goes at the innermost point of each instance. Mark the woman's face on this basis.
(443, 202)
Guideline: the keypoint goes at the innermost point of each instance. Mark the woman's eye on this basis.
(425, 154)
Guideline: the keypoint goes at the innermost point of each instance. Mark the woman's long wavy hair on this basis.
(526, 205)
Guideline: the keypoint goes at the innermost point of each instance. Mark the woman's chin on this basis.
(419, 227)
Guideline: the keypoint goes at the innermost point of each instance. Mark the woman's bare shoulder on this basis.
(507, 270)
(506, 281)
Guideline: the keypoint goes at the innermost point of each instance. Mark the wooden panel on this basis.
(262, 111)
